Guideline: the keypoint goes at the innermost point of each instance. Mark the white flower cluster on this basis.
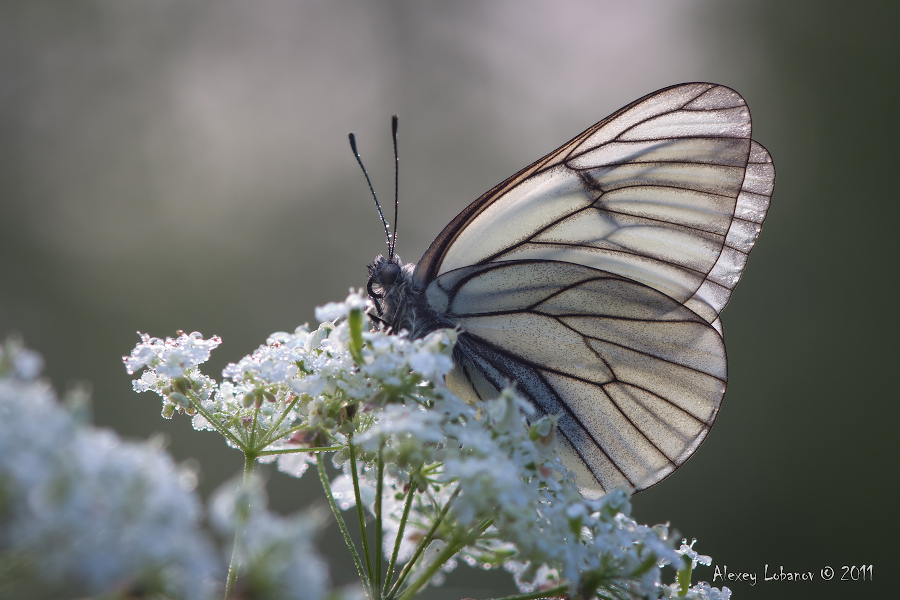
(502, 481)
(473, 483)
(299, 390)
(171, 358)
(172, 368)
(702, 590)
(83, 512)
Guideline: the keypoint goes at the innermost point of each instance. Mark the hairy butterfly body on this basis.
(594, 279)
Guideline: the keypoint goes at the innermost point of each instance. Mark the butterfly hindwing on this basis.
(635, 377)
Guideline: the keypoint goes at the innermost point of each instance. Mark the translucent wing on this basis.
(635, 377)
(669, 191)
(594, 279)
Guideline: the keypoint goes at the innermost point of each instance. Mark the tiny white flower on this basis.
(696, 558)
(27, 364)
(342, 490)
(142, 355)
(336, 310)
(295, 464)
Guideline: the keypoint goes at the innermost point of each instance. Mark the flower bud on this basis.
(179, 400)
(181, 384)
(249, 399)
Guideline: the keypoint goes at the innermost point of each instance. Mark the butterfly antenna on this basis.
(387, 233)
(394, 121)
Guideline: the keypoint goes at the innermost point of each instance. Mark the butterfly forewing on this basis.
(749, 214)
(649, 193)
(594, 278)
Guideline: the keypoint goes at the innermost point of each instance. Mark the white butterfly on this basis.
(593, 279)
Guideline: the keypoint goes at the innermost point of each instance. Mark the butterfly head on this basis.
(386, 278)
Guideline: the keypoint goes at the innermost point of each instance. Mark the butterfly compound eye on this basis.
(389, 274)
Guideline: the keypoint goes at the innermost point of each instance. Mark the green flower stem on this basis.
(404, 573)
(323, 477)
(273, 433)
(399, 539)
(559, 591)
(480, 529)
(379, 532)
(683, 577)
(355, 320)
(361, 515)
(249, 461)
(449, 552)
(284, 413)
(296, 450)
(253, 428)
(446, 554)
(472, 536)
(195, 401)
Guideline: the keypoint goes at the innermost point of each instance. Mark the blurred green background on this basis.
(172, 165)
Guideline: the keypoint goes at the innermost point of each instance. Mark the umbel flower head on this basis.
(83, 512)
(442, 481)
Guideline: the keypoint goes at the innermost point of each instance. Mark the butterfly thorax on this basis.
(398, 301)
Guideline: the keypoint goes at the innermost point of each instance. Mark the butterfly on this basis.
(593, 280)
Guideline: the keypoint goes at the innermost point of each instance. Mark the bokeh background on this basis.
(172, 165)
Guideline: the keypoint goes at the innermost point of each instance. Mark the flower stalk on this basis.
(243, 512)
